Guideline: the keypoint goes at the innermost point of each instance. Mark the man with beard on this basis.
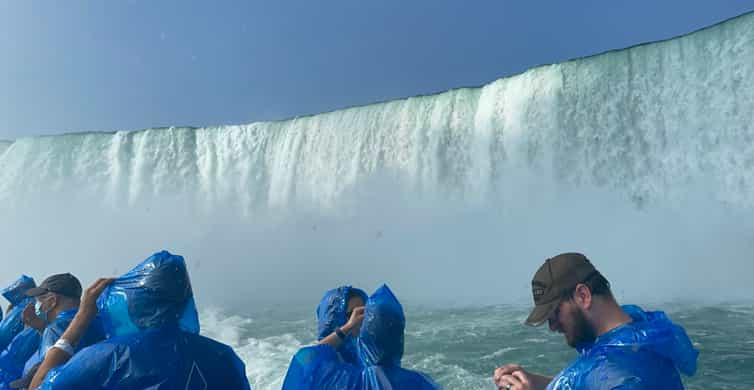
(620, 347)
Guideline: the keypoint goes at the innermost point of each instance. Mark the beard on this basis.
(582, 331)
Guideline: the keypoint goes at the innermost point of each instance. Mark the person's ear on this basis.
(583, 296)
(53, 301)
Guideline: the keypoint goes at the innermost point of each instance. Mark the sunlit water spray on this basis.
(641, 158)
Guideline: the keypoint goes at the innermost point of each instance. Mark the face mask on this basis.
(41, 313)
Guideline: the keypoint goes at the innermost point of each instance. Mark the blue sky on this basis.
(125, 65)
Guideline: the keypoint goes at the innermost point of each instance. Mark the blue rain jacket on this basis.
(11, 325)
(647, 353)
(55, 330)
(153, 342)
(13, 358)
(380, 349)
(331, 314)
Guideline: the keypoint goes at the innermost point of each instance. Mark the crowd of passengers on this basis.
(141, 331)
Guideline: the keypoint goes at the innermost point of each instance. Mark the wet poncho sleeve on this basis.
(319, 367)
(13, 358)
(89, 368)
(12, 324)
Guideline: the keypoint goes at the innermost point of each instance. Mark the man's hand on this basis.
(514, 377)
(29, 318)
(354, 323)
(89, 299)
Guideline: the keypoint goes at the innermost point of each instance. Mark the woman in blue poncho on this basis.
(380, 350)
(17, 342)
(12, 324)
(339, 317)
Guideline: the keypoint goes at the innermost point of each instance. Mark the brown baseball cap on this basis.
(556, 277)
(63, 284)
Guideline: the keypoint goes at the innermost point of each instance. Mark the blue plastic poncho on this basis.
(647, 353)
(55, 330)
(153, 342)
(12, 325)
(331, 314)
(16, 292)
(155, 293)
(13, 358)
(380, 349)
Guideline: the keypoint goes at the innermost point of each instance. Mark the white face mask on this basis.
(40, 310)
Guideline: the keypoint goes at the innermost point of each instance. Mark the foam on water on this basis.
(461, 347)
(643, 158)
(266, 358)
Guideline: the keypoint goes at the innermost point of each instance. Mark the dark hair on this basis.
(597, 283)
(352, 293)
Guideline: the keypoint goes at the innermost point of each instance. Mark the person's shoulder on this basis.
(310, 352)
(199, 341)
(226, 367)
(58, 326)
(616, 368)
(53, 331)
(208, 348)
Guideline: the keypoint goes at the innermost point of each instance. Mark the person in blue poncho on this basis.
(25, 340)
(380, 350)
(152, 326)
(14, 357)
(57, 301)
(620, 347)
(339, 317)
(12, 324)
